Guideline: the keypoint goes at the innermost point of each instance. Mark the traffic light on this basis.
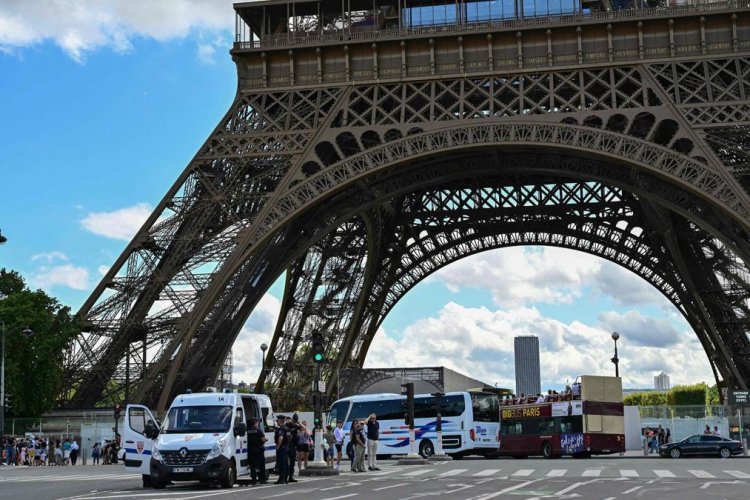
(117, 410)
(318, 350)
(407, 390)
(8, 403)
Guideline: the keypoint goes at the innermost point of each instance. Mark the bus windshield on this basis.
(338, 412)
(486, 407)
(198, 419)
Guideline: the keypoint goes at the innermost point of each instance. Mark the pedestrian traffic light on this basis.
(118, 410)
(8, 402)
(318, 350)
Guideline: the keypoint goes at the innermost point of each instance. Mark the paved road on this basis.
(597, 478)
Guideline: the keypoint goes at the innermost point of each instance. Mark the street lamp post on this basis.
(615, 359)
(261, 379)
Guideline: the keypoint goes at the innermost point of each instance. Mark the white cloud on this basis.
(49, 256)
(120, 224)
(102, 270)
(68, 275)
(520, 276)
(479, 343)
(259, 328)
(82, 26)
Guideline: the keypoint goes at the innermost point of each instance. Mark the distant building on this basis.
(661, 382)
(425, 379)
(528, 379)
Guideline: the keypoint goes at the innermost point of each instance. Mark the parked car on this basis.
(702, 444)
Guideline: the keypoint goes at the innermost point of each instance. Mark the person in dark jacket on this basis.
(256, 452)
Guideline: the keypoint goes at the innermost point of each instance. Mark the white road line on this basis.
(345, 485)
(506, 490)
(487, 472)
(631, 490)
(454, 472)
(389, 487)
(702, 474)
(523, 473)
(418, 472)
(557, 472)
(739, 474)
(628, 473)
(592, 473)
(664, 473)
(344, 496)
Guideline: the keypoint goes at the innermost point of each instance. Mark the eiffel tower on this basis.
(373, 142)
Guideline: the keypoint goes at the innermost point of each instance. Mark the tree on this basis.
(33, 365)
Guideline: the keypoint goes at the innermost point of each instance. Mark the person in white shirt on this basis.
(540, 399)
(717, 432)
(338, 436)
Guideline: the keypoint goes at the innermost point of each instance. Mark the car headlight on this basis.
(216, 450)
(155, 454)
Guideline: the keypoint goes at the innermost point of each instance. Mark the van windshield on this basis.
(198, 419)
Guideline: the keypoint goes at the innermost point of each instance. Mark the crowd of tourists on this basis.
(570, 393)
(39, 451)
(294, 440)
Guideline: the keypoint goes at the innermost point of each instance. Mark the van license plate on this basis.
(182, 469)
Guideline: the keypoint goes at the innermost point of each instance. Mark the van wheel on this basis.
(157, 484)
(547, 449)
(146, 480)
(229, 476)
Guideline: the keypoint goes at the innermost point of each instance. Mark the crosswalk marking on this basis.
(702, 474)
(739, 474)
(663, 473)
(628, 473)
(418, 472)
(453, 472)
(487, 472)
(556, 472)
(592, 473)
(523, 472)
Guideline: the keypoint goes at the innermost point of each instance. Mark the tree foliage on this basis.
(33, 364)
(695, 394)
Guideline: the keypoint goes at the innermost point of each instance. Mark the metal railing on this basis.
(308, 38)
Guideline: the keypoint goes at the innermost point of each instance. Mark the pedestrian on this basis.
(66, 450)
(281, 439)
(707, 430)
(95, 454)
(373, 434)
(303, 446)
(59, 456)
(668, 436)
(256, 440)
(359, 449)
(661, 435)
(338, 435)
(73, 452)
(717, 432)
(293, 428)
(329, 440)
(350, 445)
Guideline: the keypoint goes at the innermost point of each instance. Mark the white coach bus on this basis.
(470, 421)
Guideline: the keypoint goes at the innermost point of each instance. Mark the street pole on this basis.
(616, 360)
(2, 387)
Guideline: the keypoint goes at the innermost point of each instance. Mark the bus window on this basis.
(338, 412)
(546, 426)
(453, 406)
(511, 427)
(570, 425)
(391, 409)
(486, 407)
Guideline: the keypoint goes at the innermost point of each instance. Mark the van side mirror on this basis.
(151, 430)
(240, 428)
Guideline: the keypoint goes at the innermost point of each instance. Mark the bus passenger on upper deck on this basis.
(577, 390)
(539, 399)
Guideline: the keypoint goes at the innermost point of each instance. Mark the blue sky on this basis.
(103, 106)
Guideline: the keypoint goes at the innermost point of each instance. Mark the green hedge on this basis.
(696, 394)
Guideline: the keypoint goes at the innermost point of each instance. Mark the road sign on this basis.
(739, 398)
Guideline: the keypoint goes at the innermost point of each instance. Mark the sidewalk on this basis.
(639, 454)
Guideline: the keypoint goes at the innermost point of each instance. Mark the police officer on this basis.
(255, 452)
(281, 438)
(292, 429)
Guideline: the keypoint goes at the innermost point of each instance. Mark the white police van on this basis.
(203, 437)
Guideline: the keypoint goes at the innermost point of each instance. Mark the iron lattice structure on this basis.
(359, 158)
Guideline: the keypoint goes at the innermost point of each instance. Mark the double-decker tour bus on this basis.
(588, 420)
(470, 422)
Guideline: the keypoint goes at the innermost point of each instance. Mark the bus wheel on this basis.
(547, 449)
(426, 449)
